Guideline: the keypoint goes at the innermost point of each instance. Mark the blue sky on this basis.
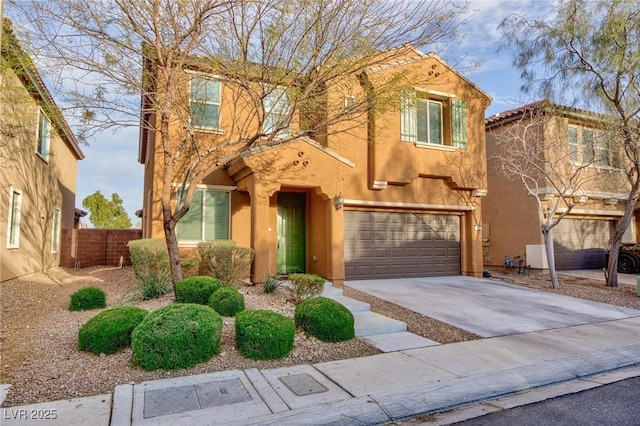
(111, 157)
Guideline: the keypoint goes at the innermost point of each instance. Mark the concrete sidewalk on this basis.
(386, 387)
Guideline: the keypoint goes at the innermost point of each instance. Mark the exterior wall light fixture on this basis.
(338, 201)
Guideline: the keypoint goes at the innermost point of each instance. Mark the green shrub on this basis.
(196, 289)
(227, 301)
(271, 283)
(88, 298)
(264, 334)
(110, 330)
(176, 336)
(150, 285)
(151, 268)
(190, 266)
(148, 255)
(225, 261)
(305, 286)
(325, 319)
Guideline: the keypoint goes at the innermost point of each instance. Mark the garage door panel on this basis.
(380, 235)
(364, 252)
(403, 245)
(581, 243)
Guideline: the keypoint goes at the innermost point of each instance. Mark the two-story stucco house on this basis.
(397, 194)
(570, 138)
(38, 167)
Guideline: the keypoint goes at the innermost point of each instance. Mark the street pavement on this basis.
(616, 404)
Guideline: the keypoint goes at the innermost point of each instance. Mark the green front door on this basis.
(291, 232)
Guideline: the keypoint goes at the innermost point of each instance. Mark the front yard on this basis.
(39, 335)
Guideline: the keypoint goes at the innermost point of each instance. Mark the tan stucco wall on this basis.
(46, 184)
(509, 215)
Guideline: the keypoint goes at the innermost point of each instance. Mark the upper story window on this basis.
(43, 135)
(276, 112)
(205, 103)
(427, 120)
(13, 224)
(588, 146)
(208, 217)
(349, 103)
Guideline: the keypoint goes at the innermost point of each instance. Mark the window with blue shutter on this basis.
(422, 119)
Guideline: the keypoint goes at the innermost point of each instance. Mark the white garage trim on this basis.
(415, 206)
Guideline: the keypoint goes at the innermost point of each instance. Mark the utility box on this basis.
(536, 256)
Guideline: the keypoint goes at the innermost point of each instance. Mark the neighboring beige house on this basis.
(510, 215)
(38, 167)
(398, 195)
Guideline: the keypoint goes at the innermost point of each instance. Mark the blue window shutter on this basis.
(408, 117)
(459, 123)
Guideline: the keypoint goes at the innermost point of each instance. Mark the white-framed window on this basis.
(423, 121)
(349, 102)
(55, 232)
(13, 223)
(588, 146)
(204, 101)
(43, 134)
(208, 218)
(276, 112)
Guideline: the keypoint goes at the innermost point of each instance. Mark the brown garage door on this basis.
(392, 245)
(581, 243)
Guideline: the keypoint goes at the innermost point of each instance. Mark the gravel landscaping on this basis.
(39, 335)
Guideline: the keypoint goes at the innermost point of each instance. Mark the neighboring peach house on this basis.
(510, 216)
(38, 165)
(397, 195)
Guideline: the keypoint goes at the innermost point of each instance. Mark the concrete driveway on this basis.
(489, 308)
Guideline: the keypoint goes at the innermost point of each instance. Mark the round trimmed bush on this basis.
(88, 298)
(110, 330)
(227, 301)
(196, 289)
(176, 336)
(325, 319)
(264, 334)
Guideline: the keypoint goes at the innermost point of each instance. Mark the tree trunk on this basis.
(172, 249)
(612, 264)
(548, 248)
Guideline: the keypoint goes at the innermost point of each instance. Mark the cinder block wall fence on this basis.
(91, 247)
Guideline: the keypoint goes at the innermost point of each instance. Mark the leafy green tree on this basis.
(587, 54)
(106, 213)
